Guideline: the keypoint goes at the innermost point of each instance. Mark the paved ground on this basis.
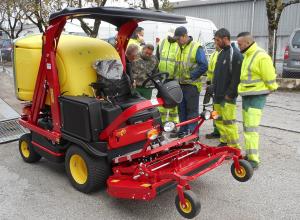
(42, 190)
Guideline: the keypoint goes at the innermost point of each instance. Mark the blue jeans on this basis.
(189, 107)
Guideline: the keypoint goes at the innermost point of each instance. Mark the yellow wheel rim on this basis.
(188, 206)
(240, 173)
(25, 149)
(78, 169)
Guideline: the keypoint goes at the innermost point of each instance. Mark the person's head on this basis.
(181, 35)
(147, 51)
(132, 52)
(222, 38)
(138, 34)
(244, 40)
(216, 45)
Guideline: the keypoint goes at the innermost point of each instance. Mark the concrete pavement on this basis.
(42, 190)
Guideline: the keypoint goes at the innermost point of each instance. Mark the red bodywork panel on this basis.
(123, 136)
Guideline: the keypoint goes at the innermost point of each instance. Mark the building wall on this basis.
(236, 16)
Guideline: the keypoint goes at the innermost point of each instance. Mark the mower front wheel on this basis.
(26, 150)
(192, 205)
(244, 173)
(86, 173)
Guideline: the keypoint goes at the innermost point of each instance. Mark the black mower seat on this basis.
(126, 102)
(129, 101)
(121, 95)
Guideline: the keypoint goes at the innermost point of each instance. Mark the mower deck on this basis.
(157, 173)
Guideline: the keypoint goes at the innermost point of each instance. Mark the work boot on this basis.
(253, 163)
(212, 135)
(222, 144)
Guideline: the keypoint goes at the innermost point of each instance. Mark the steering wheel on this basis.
(156, 79)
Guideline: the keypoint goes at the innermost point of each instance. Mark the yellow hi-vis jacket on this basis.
(258, 75)
(185, 63)
(167, 54)
(211, 66)
(136, 42)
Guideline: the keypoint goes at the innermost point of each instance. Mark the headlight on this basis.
(152, 134)
(214, 115)
(206, 115)
(169, 126)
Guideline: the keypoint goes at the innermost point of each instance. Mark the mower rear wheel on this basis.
(26, 149)
(245, 173)
(86, 173)
(192, 205)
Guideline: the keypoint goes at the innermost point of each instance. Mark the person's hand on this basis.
(227, 98)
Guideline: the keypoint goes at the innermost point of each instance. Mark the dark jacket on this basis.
(227, 73)
(129, 70)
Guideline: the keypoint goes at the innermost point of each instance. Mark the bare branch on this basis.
(290, 3)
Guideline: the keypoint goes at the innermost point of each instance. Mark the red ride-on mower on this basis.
(110, 137)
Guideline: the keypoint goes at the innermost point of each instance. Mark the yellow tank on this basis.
(74, 59)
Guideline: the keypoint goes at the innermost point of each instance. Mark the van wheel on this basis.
(26, 149)
(86, 174)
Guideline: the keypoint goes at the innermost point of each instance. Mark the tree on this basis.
(92, 32)
(11, 17)
(165, 4)
(156, 4)
(274, 11)
(38, 11)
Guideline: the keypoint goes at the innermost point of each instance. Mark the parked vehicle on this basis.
(6, 50)
(202, 30)
(291, 63)
(210, 47)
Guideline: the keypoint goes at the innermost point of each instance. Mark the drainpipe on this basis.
(274, 42)
(252, 19)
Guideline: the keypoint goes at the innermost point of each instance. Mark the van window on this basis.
(296, 40)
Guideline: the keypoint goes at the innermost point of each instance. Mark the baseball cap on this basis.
(180, 31)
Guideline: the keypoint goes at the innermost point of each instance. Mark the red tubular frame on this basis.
(129, 181)
(185, 162)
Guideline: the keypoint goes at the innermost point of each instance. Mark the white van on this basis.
(202, 30)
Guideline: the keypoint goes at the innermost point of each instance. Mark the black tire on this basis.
(96, 170)
(193, 205)
(26, 149)
(246, 171)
